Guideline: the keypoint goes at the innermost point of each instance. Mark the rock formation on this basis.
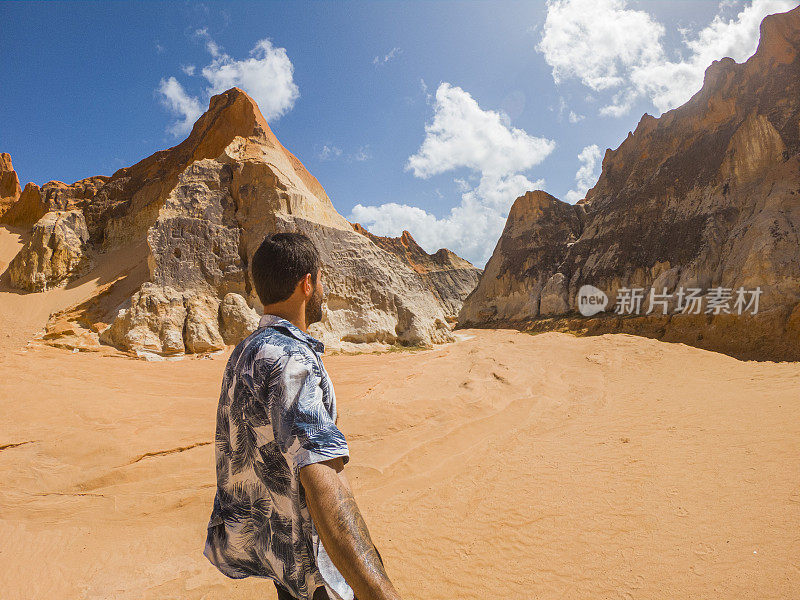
(447, 275)
(34, 202)
(538, 232)
(9, 183)
(705, 197)
(203, 207)
(55, 251)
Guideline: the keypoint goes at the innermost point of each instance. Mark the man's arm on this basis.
(343, 532)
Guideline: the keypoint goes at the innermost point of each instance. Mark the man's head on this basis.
(286, 273)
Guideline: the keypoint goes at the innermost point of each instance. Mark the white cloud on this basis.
(671, 83)
(597, 40)
(463, 135)
(470, 230)
(188, 69)
(211, 45)
(267, 76)
(329, 152)
(175, 98)
(362, 154)
(612, 48)
(575, 117)
(462, 184)
(382, 60)
(424, 87)
(587, 174)
(563, 108)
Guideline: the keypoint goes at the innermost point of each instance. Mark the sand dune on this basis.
(503, 465)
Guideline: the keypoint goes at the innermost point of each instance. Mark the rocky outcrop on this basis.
(9, 183)
(236, 319)
(27, 209)
(34, 202)
(538, 232)
(705, 197)
(203, 207)
(55, 252)
(154, 322)
(447, 275)
(212, 200)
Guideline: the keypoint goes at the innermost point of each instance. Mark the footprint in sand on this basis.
(597, 359)
(704, 549)
(699, 571)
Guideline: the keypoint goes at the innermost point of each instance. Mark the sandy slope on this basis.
(504, 465)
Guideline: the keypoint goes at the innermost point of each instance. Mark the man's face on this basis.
(314, 304)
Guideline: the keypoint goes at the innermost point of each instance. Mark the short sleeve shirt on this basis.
(276, 414)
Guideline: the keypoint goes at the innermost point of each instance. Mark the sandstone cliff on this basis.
(447, 275)
(195, 214)
(9, 183)
(34, 201)
(55, 251)
(707, 196)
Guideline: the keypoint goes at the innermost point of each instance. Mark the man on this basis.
(281, 486)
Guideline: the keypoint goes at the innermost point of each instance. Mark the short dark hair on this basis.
(280, 262)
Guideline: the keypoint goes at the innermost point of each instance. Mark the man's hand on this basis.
(343, 532)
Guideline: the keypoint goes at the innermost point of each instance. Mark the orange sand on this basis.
(504, 465)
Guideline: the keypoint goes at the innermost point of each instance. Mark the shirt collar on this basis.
(269, 320)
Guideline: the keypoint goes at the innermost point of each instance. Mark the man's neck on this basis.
(295, 316)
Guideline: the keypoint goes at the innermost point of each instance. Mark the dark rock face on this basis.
(538, 232)
(706, 196)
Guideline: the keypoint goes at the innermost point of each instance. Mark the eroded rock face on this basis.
(201, 332)
(9, 183)
(538, 232)
(33, 202)
(706, 196)
(153, 322)
(194, 243)
(27, 209)
(371, 295)
(204, 207)
(447, 275)
(236, 319)
(162, 320)
(55, 252)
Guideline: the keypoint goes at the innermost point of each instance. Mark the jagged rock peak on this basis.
(9, 183)
(730, 92)
(778, 37)
(450, 277)
(406, 247)
(234, 113)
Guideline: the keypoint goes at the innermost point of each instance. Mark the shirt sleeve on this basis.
(302, 426)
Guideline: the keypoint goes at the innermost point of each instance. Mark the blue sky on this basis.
(426, 116)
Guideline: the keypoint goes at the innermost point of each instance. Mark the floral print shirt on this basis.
(276, 414)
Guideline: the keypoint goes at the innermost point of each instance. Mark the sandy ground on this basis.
(504, 465)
